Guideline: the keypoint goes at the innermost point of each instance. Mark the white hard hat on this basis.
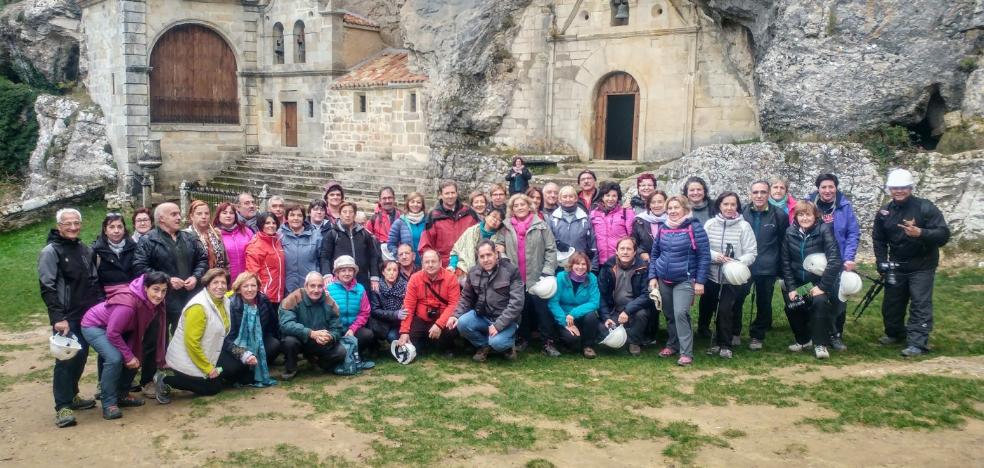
(656, 298)
(850, 284)
(616, 337)
(63, 347)
(899, 178)
(815, 263)
(344, 261)
(563, 256)
(545, 288)
(404, 354)
(387, 255)
(735, 273)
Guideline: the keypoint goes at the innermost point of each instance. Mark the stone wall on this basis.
(196, 152)
(388, 129)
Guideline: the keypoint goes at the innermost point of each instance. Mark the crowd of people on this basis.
(562, 269)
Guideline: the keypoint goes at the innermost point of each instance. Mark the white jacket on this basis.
(215, 331)
(738, 233)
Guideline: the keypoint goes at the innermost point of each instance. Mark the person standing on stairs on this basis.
(518, 176)
(334, 197)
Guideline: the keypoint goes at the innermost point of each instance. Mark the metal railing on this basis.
(213, 195)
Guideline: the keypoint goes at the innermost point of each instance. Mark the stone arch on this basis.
(278, 44)
(193, 77)
(616, 117)
(300, 42)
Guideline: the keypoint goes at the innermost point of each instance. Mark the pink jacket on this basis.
(609, 228)
(128, 313)
(235, 242)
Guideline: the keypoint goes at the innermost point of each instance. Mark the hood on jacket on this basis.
(55, 237)
(285, 230)
(579, 213)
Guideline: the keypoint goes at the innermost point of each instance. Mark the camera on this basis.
(796, 303)
(890, 271)
(432, 314)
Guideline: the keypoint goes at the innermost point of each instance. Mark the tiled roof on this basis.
(359, 20)
(385, 68)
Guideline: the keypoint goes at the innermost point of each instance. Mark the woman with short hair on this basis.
(645, 186)
(463, 256)
(302, 247)
(113, 250)
(699, 198)
(235, 236)
(387, 304)
(265, 257)
(780, 198)
(253, 333)
(518, 176)
(479, 203)
(351, 239)
(571, 226)
(497, 198)
(352, 300)
(143, 222)
(575, 305)
(646, 224)
(410, 225)
(610, 221)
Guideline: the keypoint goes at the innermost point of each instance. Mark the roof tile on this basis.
(386, 68)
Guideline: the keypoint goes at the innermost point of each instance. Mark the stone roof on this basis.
(359, 20)
(386, 68)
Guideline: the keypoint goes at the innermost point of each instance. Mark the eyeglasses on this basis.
(71, 223)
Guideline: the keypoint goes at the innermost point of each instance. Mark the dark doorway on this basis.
(618, 126)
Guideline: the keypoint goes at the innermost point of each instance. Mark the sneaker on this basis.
(511, 354)
(837, 343)
(685, 361)
(130, 402)
(65, 417)
(112, 412)
(736, 341)
(888, 340)
(725, 353)
(667, 352)
(482, 354)
(549, 349)
(79, 403)
(149, 391)
(796, 347)
(713, 350)
(912, 351)
(589, 352)
(288, 374)
(755, 345)
(634, 349)
(162, 391)
(821, 352)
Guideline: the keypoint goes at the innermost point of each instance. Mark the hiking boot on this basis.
(288, 374)
(912, 351)
(685, 361)
(79, 403)
(755, 345)
(549, 349)
(837, 343)
(821, 352)
(162, 391)
(589, 352)
(112, 412)
(886, 340)
(713, 350)
(511, 354)
(796, 347)
(667, 352)
(522, 344)
(634, 349)
(130, 402)
(725, 353)
(735, 340)
(482, 354)
(65, 417)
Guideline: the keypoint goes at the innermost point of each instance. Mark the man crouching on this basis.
(310, 324)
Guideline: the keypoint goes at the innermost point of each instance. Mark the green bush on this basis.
(18, 126)
(958, 140)
(884, 141)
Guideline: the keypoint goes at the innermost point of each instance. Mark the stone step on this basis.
(390, 168)
(300, 184)
(319, 178)
(363, 200)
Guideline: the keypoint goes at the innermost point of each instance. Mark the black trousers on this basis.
(725, 299)
(419, 329)
(382, 329)
(765, 287)
(915, 290)
(587, 325)
(234, 371)
(367, 340)
(148, 365)
(203, 386)
(537, 315)
(813, 321)
(637, 327)
(327, 356)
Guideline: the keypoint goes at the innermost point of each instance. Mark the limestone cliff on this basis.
(39, 42)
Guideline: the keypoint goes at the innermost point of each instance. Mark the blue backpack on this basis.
(353, 363)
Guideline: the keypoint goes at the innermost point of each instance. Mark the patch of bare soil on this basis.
(964, 366)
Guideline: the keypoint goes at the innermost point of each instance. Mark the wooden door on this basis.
(290, 124)
(615, 84)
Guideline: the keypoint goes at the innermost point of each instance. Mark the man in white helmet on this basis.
(907, 236)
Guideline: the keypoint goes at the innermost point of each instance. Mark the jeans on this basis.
(475, 329)
(677, 299)
(914, 289)
(65, 382)
(765, 287)
(114, 381)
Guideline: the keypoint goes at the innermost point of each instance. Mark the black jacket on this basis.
(911, 253)
(154, 253)
(797, 245)
(68, 278)
(498, 295)
(518, 183)
(769, 227)
(358, 244)
(640, 289)
(269, 321)
(114, 269)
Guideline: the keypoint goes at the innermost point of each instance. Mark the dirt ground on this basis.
(187, 434)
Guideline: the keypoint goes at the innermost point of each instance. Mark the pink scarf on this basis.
(521, 226)
(674, 225)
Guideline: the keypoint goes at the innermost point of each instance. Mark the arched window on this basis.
(299, 42)
(193, 77)
(278, 43)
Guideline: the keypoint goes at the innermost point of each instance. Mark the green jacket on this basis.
(299, 315)
(541, 249)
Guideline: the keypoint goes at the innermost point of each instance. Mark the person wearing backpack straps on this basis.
(432, 295)
(678, 268)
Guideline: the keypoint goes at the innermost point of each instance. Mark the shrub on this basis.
(958, 140)
(18, 126)
(884, 141)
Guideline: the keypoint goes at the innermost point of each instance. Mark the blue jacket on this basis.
(846, 228)
(566, 302)
(301, 255)
(682, 254)
(348, 300)
(404, 232)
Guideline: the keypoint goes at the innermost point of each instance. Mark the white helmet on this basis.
(735, 273)
(656, 298)
(899, 178)
(545, 288)
(404, 354)
(850, 284)
(387, 255)
(616, 337)
(562, 257)
(63, 347)
(815, 263)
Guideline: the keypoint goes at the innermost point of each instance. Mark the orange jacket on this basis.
(422, 295)
(443, 229)
(265, 257)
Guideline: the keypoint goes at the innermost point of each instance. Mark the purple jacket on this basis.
(128, 312)
(847, 231)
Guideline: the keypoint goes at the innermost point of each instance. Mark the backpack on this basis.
(353, 363)
(658, 234)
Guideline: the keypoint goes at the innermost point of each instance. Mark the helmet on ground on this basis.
(404, 354)
(387, 255)
(899, 178)
(564, 255)
(616, 337)
(850, 284)
(735, 273)
(63, 347)
(815, 263)
(545, 288)
(344, 261)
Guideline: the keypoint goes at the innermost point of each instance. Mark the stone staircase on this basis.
(301, 178)
(605, 170)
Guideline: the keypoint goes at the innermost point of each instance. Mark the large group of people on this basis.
(565, 269)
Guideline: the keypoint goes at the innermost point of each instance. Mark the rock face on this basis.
(39, 41)
(384, 12)
(72, 148)
(956, 184)
(973, 103)
(473, 170)
(835, 66)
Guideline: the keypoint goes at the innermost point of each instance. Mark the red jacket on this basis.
(265, 257)
(444, 228)
(379, 224)
(422, 295)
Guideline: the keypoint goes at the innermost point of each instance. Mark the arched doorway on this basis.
(193, 78)
(616, 126)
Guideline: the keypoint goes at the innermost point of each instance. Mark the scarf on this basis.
(483, 232)
(117, 248)
(521, 226)
(576, 277)
(779, 204)
(675, 225)
(651, 218)
(251, 338)
(206, 240)
(569, 209)
(414, 218)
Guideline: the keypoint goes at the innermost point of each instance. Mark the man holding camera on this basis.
(432, 295)
(907, 235)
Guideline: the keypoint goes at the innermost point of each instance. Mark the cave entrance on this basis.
(616, 126)
(927, 132)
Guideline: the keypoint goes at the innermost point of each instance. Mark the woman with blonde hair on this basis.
(253, 333)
